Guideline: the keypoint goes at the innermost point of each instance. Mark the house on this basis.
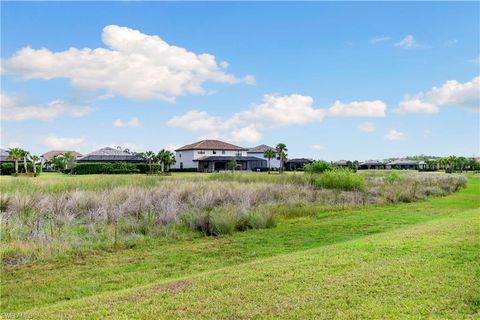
(340, 163)
(110, 155)
(372, 164)
(214, 155)
(404, 164)
(52, 154)
(4, 154)
(258, 152)
(297, 164)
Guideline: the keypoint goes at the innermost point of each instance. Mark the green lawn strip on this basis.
(429, 270)
(41, 284)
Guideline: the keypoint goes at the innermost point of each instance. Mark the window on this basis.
(179, 154)
(238, 153)
(181, 165)
(223, 151)
(201, 152)
(214, 152)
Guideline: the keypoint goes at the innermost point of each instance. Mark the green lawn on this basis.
(418, 260)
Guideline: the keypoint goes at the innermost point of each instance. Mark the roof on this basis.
(211, 145)
(229, 158)
(4, 155)
(260, 149)
(373, 162)
(110, 154)
(402, 161)
(341, 162)
(300, 160)
(55, 153)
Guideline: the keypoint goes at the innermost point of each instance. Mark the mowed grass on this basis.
(417, 260)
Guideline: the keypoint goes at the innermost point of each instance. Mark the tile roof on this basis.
(110, 154)
(55, 153)
(260, 149)
(211, 145)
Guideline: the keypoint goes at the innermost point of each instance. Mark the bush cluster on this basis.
(318, 166)
(342, 178)
(8, 168)
(105, 168)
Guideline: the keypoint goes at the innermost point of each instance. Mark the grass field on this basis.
(404, 260)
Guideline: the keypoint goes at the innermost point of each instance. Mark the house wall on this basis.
(187, 157)
(274, 162)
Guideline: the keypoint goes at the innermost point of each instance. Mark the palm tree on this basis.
(34, 160)
(15, 154)
(149, 157)
(269, 154)
(68, 159)
(281, 148)
(166, 158)
(25, 156)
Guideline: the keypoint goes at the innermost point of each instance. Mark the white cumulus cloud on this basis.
(133, 122)
(451, 93)
(373, 109)
(14, 109)
(134, 65)
(394, 135)
(407, 42)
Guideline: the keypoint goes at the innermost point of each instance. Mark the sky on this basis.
(345, 80)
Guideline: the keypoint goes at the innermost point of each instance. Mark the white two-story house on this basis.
(214, 155)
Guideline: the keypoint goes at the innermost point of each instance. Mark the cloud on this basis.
(12, 108)
(358, 109)
(133, 122)
(407, 42)
(319, 147)
(63, 143)
(394, 135)
(366, 127)
(475, 60)
(451, 93)
(378, 39)
(246, 134)
(273, 112)
(134, 65)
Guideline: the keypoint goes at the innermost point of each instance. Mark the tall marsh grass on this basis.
(48, 218)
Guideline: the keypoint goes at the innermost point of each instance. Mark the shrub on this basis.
(343, 179)
(8, 168)
(223, 221)
(260, 219)
(318, 166)
(105, 167)
(392, 177)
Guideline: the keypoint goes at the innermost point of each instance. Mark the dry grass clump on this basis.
(37, 223)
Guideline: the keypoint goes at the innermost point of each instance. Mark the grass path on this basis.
(378, 257)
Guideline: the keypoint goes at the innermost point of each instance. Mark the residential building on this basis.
(214, 155)
(404, 164)
(259, 151)
(52, 154)
(110, 155)
(372, 164)
(4, 156)
(297, 164)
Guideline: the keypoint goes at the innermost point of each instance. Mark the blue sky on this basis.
(330, 80)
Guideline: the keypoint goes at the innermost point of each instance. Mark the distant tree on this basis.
(356, 164)
(460, 163)
(68, 160)
(318, 166)
(149, 156)
(269, 154)
(25, 155)
(281, 149)
(35, 160)
(232, 164)
(166, 158)
(126, 150)
(15, 154)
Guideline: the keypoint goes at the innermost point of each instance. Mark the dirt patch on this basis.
(174, 287)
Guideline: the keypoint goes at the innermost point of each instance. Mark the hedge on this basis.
(8, 168)
(105, 168)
